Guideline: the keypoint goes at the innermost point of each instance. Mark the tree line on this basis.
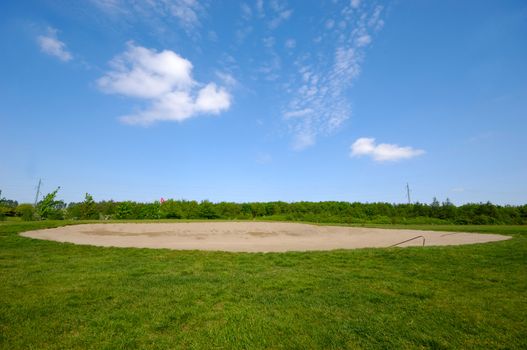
(50, 208)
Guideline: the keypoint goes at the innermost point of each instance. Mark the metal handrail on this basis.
(408, 240)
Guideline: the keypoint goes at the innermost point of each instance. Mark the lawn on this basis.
(65, 296)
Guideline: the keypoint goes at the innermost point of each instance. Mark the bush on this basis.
(125, 210)
(26, 212)
(381, 219)
(207, 210)
(483, 220)
(149, 211)
(170, 209)
(320, 212)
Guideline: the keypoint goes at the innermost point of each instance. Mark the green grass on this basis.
(63, 296)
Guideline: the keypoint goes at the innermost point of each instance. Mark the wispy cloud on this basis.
(382, 152)
(483, 136)
(268, 42)
(303, 139)
(322, 81)
(457, 189)
(264, 158)
(280, 13)
(363, 40)
(165, 80)
(260, 8)
(111, 6)
(247, 12)
(280, 17)
(227, 79)
(290, 43)
(185, 12)
(51, 45)
(298, 113)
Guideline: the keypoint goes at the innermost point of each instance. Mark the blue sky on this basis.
(264, 100)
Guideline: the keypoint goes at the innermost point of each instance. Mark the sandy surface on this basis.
(250, 236)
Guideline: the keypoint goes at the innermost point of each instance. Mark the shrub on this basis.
(7, 211)
(149, 211)
(125, 210)
(381, 219)
(170, 209)
(483, 220)
(26, 212)
(207, 210)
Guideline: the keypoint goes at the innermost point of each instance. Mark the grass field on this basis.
(65, 296)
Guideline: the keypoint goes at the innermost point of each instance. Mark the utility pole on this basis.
(38, 191)
(408, 193)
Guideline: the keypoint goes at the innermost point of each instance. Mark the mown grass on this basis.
(63, 296)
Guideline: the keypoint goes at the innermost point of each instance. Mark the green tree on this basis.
(207, 210)
(88, 208)
(7, 207)
(170, 209)
(49, 207)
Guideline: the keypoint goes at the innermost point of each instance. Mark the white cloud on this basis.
(145, 73)
(382, 152)
(212, 99)
(173, 106)
(165, 80)
(51, 45)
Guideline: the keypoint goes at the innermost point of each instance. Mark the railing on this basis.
(408, 240)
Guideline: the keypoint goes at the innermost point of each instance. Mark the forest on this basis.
(51, 208)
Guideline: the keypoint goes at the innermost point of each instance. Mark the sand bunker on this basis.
(251, 236)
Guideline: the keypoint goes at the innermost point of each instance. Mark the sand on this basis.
(251, 236)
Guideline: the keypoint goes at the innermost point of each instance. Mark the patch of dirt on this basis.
(251, 236)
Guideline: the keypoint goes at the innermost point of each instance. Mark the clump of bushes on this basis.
(323, 212)
(26, 211)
